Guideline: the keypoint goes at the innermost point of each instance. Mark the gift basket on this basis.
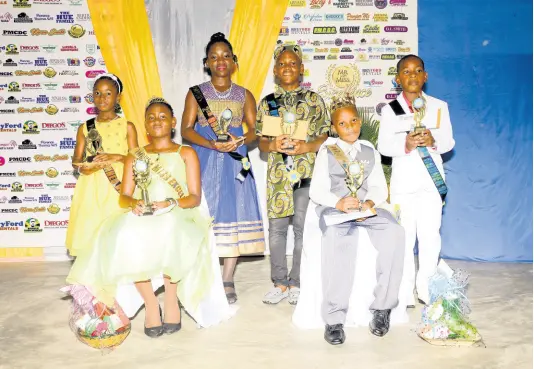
(444, 321)
(93, 322)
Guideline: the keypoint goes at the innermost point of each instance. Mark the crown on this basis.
(287, 47)
(339, 102)
(156, 100)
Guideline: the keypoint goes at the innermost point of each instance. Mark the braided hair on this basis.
(215, 38)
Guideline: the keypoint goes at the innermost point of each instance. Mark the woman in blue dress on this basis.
(227, 179)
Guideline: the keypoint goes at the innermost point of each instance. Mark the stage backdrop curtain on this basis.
(181, 30)
(255, 29)
(484, 72)
(123, 34)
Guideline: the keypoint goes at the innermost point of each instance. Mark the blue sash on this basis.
(425, 156)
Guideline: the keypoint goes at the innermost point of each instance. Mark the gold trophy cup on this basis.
(289, 126)
(224, 123)
(142, 180)
(419, 105)
(93, 144)
(354, 179)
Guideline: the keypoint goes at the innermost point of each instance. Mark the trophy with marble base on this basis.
(142, 179)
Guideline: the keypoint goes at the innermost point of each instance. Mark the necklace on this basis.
(107, 121)
(224, 94)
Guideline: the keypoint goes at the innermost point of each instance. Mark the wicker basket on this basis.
(104, 342)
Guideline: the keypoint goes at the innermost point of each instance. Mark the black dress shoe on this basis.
(155, 332)
(170, 328)
(379, 326)
(230, 296)
(334, 334)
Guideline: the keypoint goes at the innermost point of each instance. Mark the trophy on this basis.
(224, 123)
(142, 180)
(289, 125)
(419, 105)
(354, 178)
(93, 144)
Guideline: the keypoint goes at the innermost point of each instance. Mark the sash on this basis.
(108, 169)
(212, 120)
(340, 157)
(430, 166)
(141, 154)
(292, 174)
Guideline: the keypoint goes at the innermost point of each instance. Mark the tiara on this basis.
(287, 47)
(113, 77)
(156, 100)
(339, 102)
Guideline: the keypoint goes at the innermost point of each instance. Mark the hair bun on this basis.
(219, 36)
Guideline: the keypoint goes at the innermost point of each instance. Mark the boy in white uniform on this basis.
(417, 180)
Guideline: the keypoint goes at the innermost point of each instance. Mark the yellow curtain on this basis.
(123, 34)
(255, 29)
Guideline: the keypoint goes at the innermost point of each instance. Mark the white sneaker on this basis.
(275, 295)
(294, 293)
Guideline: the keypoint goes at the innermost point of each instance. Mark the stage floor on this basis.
(34, 332)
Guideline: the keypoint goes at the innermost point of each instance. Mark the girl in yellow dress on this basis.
(96, 196)
(173, 247)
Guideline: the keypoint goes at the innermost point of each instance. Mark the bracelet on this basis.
(172, 201)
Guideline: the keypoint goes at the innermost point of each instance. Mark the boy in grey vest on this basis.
(348, 177)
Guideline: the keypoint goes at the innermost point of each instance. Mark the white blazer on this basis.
(409, 174)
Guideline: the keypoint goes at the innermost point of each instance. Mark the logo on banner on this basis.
(76, 31)
(358, 17)
(324, 30)
(51, 85)
(44, 32)
(75, 124)
(313, 17)
(42, 99)
(69, 48)
(36, 209)
(64, 17)
(51, 109)
(6, 17)
(53, 209)
(52, 185)
(73, 62)
(397, 2)
(33, 173)
(75, 2)
(10, 226)
(342, 4)
(90, 48)
(15, 200)
(399, 16)
(40, 158)
(56, 223)
(49, 48)
(28, 73)
(349, 29)
(297, 3)
(30, 127)
(75, 99)
(387, 56)
(8, 128)
(10, 211)
(381, 4)
(17, 187)
(89, 98)
(61, 126)
(9, 63)
(284, 31)
(13, 87)
(32, 225)
(12, 100)
(27, 145)
(395, 29)
(11, 49)
(47, 144)
(71, 85)
(23, 18)
(363, 2)
(8, 146)
(51, 172)
(43, 17)
(47, 2)
(101, 61)
(15, 33)
(6, 74)
(7, 111)
(50, 72)
(83, 17)
(380, 17)
(21, 4)
(69, 73)
(316, 4)
(92, 111)
(342, 80)
(45, 199)
(334, 17)
(41, 62)
(90, 61)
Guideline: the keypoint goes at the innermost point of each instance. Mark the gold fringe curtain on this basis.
(255, 29)
(123, 34)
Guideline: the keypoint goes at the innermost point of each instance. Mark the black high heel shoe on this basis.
(170, 328)
(155, 332)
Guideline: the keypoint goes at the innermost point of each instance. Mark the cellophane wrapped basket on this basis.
(445, 321)
(94, 323)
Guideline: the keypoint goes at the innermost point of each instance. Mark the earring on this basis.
(148, 134)
(173, 131)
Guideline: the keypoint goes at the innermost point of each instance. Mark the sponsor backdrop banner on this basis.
(49, 60)
(348, 46)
